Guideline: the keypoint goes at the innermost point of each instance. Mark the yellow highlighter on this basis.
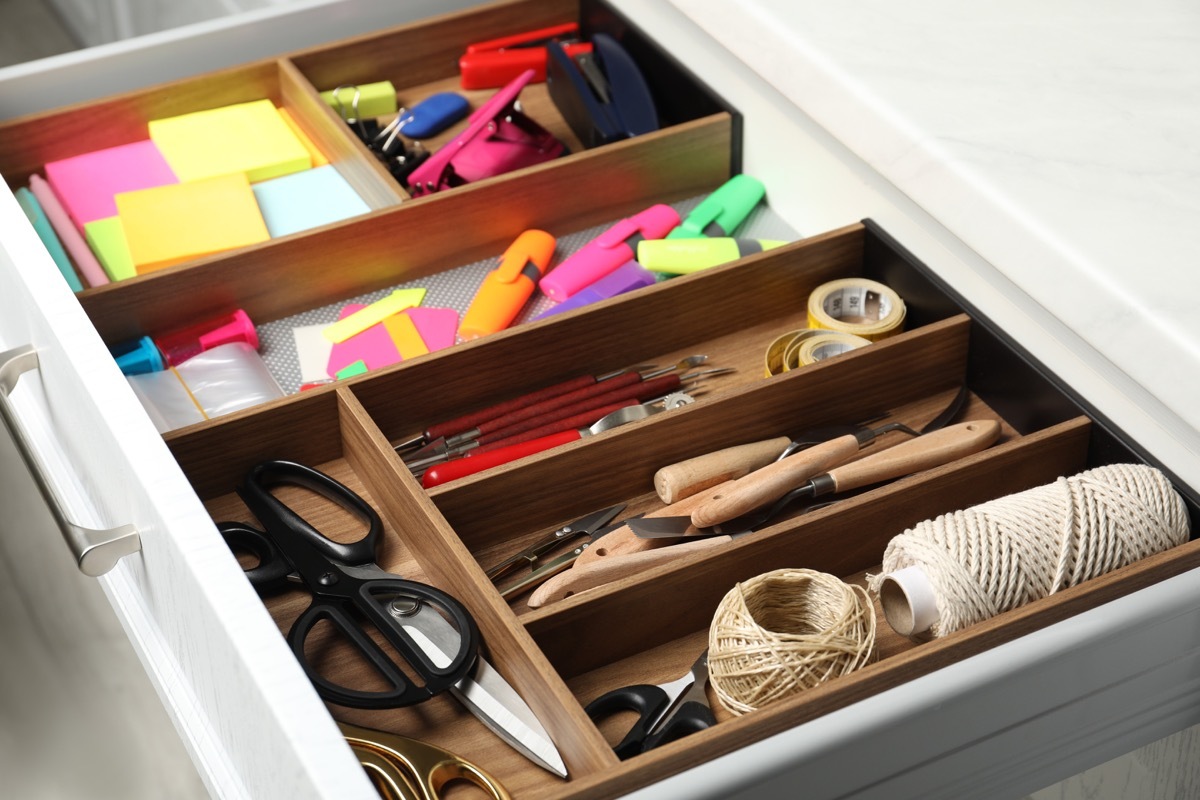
(505, 290)
(683, 256)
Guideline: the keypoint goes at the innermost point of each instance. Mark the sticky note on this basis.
(81, 254)
(373, 314)
(357, 368)
(249, 138)
(438, 326)
(86, 184)
(313, 351)
(45, 231)
(405, 335)
(306, 200)
(373, 346)
(106, 237)
(314, 152)
(373, 100)
(171, 224)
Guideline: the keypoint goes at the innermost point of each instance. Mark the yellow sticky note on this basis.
(249, 138)
(318, 158)
(373, 314)
(405, 336)
(170, 224)
(107, 240)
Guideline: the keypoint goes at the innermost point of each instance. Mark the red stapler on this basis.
(492, 64)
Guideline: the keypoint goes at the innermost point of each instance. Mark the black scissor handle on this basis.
(372, 602)
(273, 568)
(691, 717)
(646, 700)
(271, 511)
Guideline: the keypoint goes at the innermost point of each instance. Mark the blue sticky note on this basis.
(45, 232)
(306, 199)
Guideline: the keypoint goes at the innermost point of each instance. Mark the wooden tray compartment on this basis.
(422, 59)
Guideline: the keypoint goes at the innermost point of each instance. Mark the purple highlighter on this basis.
(625, 278)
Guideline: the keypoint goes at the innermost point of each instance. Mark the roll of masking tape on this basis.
(807, 346)
(857, 306)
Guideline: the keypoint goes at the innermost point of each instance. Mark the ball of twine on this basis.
(999, 555)
(786, 631)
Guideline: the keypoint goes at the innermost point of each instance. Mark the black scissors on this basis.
(665, 712)
(351, 592)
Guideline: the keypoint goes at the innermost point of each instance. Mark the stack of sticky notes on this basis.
(201, 183)
(368, 337)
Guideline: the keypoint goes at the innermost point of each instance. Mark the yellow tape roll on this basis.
(857, 306)
(807, 346)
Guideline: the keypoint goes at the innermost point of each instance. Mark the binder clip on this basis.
(499, 138)
(494, 63)
(602, 95)
(365, 129)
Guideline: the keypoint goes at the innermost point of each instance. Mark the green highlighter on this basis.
(684, 256)
(45, 232)
(723, 210)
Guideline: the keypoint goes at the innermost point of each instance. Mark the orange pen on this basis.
(505, 290)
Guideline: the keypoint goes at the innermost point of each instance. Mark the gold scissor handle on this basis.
(408, 769)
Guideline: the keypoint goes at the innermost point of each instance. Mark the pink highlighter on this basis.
(608, 251)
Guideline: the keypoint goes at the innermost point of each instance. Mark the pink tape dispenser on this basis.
(499, 138)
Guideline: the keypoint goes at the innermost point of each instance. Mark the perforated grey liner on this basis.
(455, 288)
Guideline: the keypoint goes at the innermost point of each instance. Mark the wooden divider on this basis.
(447, 562)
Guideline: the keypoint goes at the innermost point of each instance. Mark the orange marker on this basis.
(505, 290)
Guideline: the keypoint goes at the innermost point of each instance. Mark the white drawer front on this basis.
(248, 714)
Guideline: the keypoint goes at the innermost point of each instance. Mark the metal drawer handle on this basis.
(96, 552)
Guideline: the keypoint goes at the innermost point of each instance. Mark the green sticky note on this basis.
(357, 368)
(106, 237)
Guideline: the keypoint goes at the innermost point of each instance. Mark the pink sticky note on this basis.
(437, 326)
(87, 183)
(89, 268)
(374, 347)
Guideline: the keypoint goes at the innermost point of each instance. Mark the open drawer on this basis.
(251, 716)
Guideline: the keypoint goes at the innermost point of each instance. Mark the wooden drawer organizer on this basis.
(561, 656)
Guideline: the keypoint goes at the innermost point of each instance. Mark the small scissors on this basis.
(666, 712)
(352, 592)
(407, 769)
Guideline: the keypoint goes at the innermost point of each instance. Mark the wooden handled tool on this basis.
(623, 541)
(686, 478)
(773, 481)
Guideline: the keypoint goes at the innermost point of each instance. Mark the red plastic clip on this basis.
(492, 64)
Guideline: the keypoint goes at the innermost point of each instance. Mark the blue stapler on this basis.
(602, 95)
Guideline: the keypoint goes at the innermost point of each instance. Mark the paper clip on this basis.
(495, 62)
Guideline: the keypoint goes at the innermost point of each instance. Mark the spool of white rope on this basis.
(945, 574)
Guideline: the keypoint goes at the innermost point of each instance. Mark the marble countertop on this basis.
(1061, 142)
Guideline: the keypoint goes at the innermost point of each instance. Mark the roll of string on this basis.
(999, 555)
(785, 631)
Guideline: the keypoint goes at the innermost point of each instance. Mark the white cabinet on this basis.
(1005, 722)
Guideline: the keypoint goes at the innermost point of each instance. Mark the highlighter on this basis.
(723, 210)
(505, 290)
(608, 251)
(684, 256)
(623, 279)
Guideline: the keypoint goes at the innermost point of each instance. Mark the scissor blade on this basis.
(486, 694)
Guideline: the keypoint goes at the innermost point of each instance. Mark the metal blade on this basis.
(584, 526)
(660, 527)
(949, 412)
(487, 695)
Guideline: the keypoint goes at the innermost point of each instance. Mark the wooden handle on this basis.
(623, 541)
(926, 451)
(531, 415)
(678, 481)
(500, 439)
(580, 578)
(773, 481)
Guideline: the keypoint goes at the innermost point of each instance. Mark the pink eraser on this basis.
(86, 184)
(89, 268)
(607, 252)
